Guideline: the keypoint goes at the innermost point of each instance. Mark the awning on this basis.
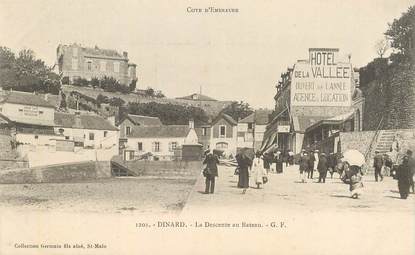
(336, 120)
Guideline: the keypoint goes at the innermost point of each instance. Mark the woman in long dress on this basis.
(258, 170)
(244, 163)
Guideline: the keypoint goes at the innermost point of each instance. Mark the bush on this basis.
(80, 82)
(65, 80)
(95, 82)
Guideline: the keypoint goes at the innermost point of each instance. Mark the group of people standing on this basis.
(314, 161)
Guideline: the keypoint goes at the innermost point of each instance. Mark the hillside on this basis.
(212, 108)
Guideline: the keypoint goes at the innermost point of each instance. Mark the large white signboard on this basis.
(321, 81)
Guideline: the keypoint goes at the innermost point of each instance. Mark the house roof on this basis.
(26, 98)
(96, 122)
(160, 131)
(197, 97)
(143, 120)
(4, 119)
(260, 117)
(102, 52)
(227, 118)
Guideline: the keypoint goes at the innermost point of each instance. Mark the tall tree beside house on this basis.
(26, 73)
(401, 33)
(238, 110)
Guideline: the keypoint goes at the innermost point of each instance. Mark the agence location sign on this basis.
(321, 81)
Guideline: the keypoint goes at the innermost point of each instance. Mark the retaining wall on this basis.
(57, 173)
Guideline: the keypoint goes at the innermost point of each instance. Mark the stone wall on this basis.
(391, 95)
(356, 140)
(6, 164)
(165, 168)
(57, 173)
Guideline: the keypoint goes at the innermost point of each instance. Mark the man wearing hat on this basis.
(377, 164)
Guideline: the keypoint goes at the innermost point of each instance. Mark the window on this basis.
(74, 64)
(91, 136)
(20, 110)
(89, 65)
(40, 112)
(105, 133)
(66, 137)
(156, 147)
(1, 109)
(222, 131)
(36, 136)
(250, 125)
(103, 66)
(140, 146)
(117, 67)
(204, 131)
(172, 146)
(222, 146)
(128, 130)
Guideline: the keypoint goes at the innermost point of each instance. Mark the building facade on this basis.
(75, 61)
(252, 128)
(223, 134)
(161, 142)
(320, 90)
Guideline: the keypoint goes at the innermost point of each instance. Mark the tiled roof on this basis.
(225, 117)
(67, 120)
(197, 97)
(144, 120)
(260, 117)
(25, 98)
(160, 131)
(101, 52)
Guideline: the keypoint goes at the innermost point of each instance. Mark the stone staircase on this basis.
(382, 144)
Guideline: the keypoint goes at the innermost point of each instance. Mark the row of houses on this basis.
(40, 132)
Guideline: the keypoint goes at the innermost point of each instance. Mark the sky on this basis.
(229, 56)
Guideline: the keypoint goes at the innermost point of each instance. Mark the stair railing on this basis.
(369, 150)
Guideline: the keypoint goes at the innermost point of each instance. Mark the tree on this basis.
(381, 46)
(238, 110)
(401, 33)
(150, 92)
(26, 73)
(169, 114)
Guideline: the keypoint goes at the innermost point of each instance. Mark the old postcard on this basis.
(207, 127)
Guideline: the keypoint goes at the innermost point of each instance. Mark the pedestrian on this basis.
(331, 164)
(310, 169)
(210, 172)
(304, 163)
(244, 164)
(377, 164)
(353, 177)
(403, 175)
(322, 168)
(285, 158)
(291, 157)
(267, 162)
(388, 164)
(258, 171)
(278, 162)
(411, 164)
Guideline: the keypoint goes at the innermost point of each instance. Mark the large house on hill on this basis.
(75, 61)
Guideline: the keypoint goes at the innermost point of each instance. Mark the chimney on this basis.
(125, 54)
(77, 119)
(191, 124)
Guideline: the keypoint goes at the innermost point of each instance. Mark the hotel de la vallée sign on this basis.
(321, 81)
